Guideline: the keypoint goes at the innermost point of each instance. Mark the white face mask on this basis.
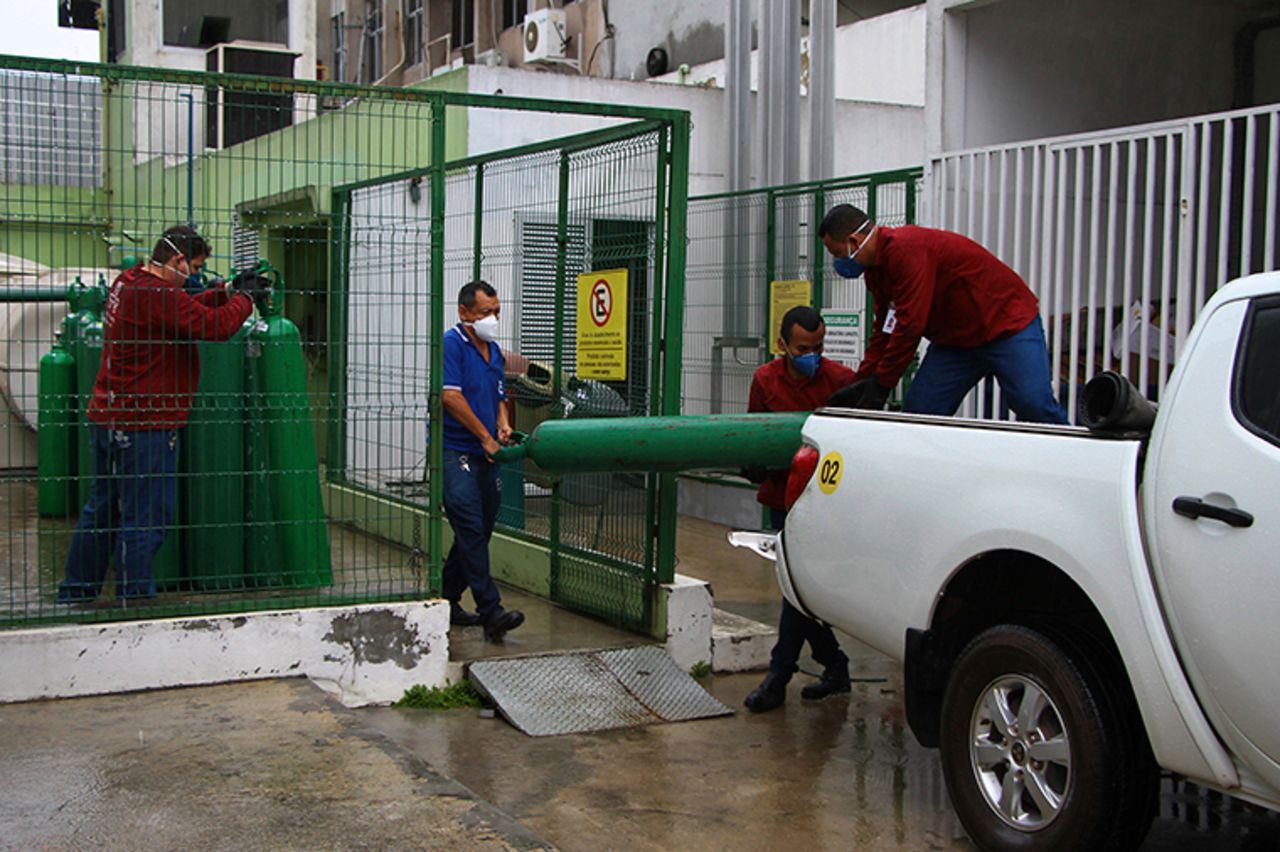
(486, 328)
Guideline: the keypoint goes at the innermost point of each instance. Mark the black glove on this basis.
(867, 394)
(252, 284)
(754, 473)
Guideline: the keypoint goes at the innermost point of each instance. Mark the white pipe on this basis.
(822, 88)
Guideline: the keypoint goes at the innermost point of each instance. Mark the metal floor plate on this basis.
(593, 691)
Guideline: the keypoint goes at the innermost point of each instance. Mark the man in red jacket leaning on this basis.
(149, 372)
(980, 317)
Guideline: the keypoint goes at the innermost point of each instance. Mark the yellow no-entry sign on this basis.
(602, 325)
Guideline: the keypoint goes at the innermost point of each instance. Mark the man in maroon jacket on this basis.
(801, 380)
(980, 318)
(149, 372)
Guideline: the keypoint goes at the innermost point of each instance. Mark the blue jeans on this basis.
(131, 505)
(795, 628)
(472, 495)
(1020, 363)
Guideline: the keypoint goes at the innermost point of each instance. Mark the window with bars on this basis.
(464, 23)
(413, 53)
(513, 13)
(373, 33)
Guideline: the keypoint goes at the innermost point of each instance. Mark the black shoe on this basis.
(769, 695)
(831, 683)
(459, 617)
(500, 622)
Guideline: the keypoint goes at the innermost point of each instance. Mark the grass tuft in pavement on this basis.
(460, 694)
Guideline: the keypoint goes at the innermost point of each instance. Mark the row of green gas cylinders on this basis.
(250, 512)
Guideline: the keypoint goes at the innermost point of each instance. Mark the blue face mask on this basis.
(849, 267)
(807, 364)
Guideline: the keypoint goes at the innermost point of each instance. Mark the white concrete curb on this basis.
(367, 654)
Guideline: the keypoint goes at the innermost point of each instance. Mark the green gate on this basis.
(530, 222)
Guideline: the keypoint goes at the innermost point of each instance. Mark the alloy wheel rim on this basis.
(1020, 752)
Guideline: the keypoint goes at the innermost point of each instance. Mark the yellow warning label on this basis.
(829, 472)
(783, 296)
(602, 325)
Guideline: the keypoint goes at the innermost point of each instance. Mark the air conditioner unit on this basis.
(238, 114)
(545, 35)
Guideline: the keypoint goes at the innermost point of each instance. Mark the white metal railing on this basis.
(1123, 234)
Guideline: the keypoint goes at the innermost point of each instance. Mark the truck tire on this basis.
(1036, 754)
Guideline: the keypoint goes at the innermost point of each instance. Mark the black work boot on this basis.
(500, 622)
(459, 617)
(832, 682)
(769, 695)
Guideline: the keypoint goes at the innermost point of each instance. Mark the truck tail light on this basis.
(803, 464)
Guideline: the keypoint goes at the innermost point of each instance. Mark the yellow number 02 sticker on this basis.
(829, 472)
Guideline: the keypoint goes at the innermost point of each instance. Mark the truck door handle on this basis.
(1194, 507)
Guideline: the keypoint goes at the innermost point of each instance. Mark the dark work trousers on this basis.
(131, 505)
(795, 628)
(472, 495)
(1020, 364)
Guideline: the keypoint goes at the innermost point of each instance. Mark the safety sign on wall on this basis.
(843, 342)
(783, 296)
(602, 325)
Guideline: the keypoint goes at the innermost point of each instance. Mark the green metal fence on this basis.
(309, 471)
(739, 242)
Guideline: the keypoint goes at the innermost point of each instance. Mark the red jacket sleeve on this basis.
(182, 317)
(213, 297)
(875, 349)
(911, 278)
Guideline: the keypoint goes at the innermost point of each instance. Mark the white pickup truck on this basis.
(1074, 610)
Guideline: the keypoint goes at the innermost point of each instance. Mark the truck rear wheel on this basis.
(1035, 753)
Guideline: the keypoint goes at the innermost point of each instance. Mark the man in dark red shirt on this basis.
(980, 318)
(141, 397)
(801, 380)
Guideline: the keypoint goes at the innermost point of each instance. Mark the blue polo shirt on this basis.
(483, 384)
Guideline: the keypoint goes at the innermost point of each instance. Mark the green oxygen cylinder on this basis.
(213, 465)
(678, 443)
(56, 425)
(88, 355)
(71, 343)
(283, 466)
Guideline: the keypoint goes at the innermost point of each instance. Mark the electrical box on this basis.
(545, 35)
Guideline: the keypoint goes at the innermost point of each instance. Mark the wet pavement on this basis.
(279, 765)
(264, 765)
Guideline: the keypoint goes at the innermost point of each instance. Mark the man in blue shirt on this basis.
(475, 426)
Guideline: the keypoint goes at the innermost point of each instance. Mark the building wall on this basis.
(870, 136)
(1004, 71)
(144, 44)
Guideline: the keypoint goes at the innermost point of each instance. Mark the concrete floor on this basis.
(264, 765)
(278, 765)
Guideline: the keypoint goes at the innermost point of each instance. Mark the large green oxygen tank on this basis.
(288, 536)
(689, 442)
(56, 433)
(86, 347)
(213, 465)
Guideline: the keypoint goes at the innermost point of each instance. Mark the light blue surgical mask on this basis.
(849, 267)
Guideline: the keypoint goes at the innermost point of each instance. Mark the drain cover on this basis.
(593, 691)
